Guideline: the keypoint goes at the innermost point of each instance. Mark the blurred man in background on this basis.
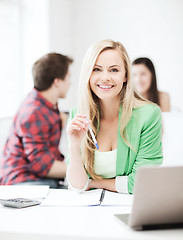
(31, 154)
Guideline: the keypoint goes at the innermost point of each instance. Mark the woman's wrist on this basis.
(74, 148)
(94, 183)
(90, 184)
(108, 184)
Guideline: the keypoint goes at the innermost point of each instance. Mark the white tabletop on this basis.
(41, 222)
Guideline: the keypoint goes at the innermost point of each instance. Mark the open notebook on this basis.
(62, 197)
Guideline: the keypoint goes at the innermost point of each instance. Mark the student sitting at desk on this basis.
(31, 154)
(127, 127)
(144, 77)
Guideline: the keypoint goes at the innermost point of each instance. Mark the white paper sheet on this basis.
(63, 197)
(117, 199)
(32, 192)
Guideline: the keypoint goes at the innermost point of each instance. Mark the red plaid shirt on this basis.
(33, 141)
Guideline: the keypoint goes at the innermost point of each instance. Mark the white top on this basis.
(105, 163)
(105, 166)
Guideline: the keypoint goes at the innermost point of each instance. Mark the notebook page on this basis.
(63, 197)
(117, 199)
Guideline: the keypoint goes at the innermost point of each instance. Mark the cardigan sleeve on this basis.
(150, 145)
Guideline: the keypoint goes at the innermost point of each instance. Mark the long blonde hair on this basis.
(88, 105)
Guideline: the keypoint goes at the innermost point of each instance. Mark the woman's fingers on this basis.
(80, 115)
(82, 118)
(80, 124)
(75, 127)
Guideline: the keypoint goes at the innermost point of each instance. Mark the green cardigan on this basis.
(144, 135)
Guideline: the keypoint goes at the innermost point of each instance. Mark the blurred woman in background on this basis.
(144, 77)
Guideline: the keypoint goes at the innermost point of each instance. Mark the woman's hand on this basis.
(77, 128)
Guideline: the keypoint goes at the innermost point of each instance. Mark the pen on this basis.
(93, 136)
(102, 196)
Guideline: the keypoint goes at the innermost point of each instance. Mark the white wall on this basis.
(9, 56)
(151, 28)
(61, 38)
(34, 37)
(24, 29)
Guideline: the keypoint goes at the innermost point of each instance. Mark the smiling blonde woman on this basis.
(126, 126)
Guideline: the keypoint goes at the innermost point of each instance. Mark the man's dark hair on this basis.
(49, 67)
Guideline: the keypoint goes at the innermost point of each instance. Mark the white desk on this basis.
(78, 223)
